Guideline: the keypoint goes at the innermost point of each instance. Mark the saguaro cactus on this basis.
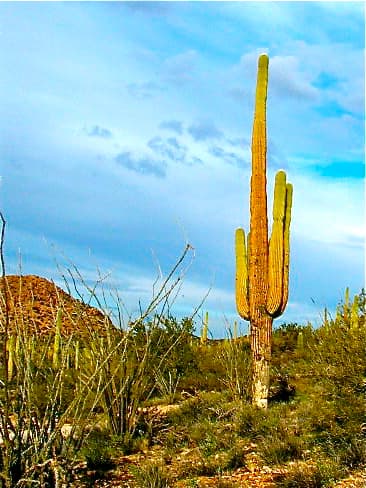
(262, 266)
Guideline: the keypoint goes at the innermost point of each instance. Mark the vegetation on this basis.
(72, 407)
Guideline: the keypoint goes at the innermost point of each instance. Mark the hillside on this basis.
(33, 302)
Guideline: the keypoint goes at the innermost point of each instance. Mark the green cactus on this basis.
(11, 353)
(354, 313)
(57, 341)
(347, 313)
(326, 318)
(77, 355)
(300, 341)
(235, 332)
(204, 331)
(262, 268)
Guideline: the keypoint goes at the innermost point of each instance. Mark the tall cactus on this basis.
(262, 266)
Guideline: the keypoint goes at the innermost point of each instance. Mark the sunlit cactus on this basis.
(77, 354)
(300, 341)
(354, 322)
(57, 341)
(204, 331)
(348, 313)
(235, 332)
(262, 265)
(11, 346)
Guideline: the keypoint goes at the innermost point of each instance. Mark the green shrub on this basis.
(324, 474)
(281, 447)
(151, 475)
(236, 457)
(253, 423)
(206, 406)
(98, 453)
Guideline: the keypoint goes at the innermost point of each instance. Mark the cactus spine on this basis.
(262, 267)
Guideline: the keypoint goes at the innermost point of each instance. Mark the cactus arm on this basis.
(241, 280)
(286, 243)
(279, 247)
(276, 247)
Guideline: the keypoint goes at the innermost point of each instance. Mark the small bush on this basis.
(254, 423)
(236, 457)
(281, 448)
(151, 475)
(324, 474)
(98, 453)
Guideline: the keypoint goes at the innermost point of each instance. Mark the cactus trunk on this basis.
(262, 268)
(261, 339)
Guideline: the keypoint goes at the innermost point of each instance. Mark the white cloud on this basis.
(287, 79)
(181, 68)
(327, 210)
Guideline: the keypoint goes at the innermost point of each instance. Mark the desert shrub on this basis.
(253, 423)
(151, 475)
(222, 483)
(207, 406)
(98, 452)
(208, 371)
(285, 337)
(236, 456)
(281, 447)
(323, 474)
(338, 358)
(192, 483)
(200, 422)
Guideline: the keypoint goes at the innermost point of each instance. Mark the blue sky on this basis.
(125, 134)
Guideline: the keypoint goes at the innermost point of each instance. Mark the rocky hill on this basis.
(33, 302)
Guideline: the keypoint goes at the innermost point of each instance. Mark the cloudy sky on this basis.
(125, 134)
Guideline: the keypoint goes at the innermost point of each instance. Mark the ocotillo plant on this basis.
(262, 267)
